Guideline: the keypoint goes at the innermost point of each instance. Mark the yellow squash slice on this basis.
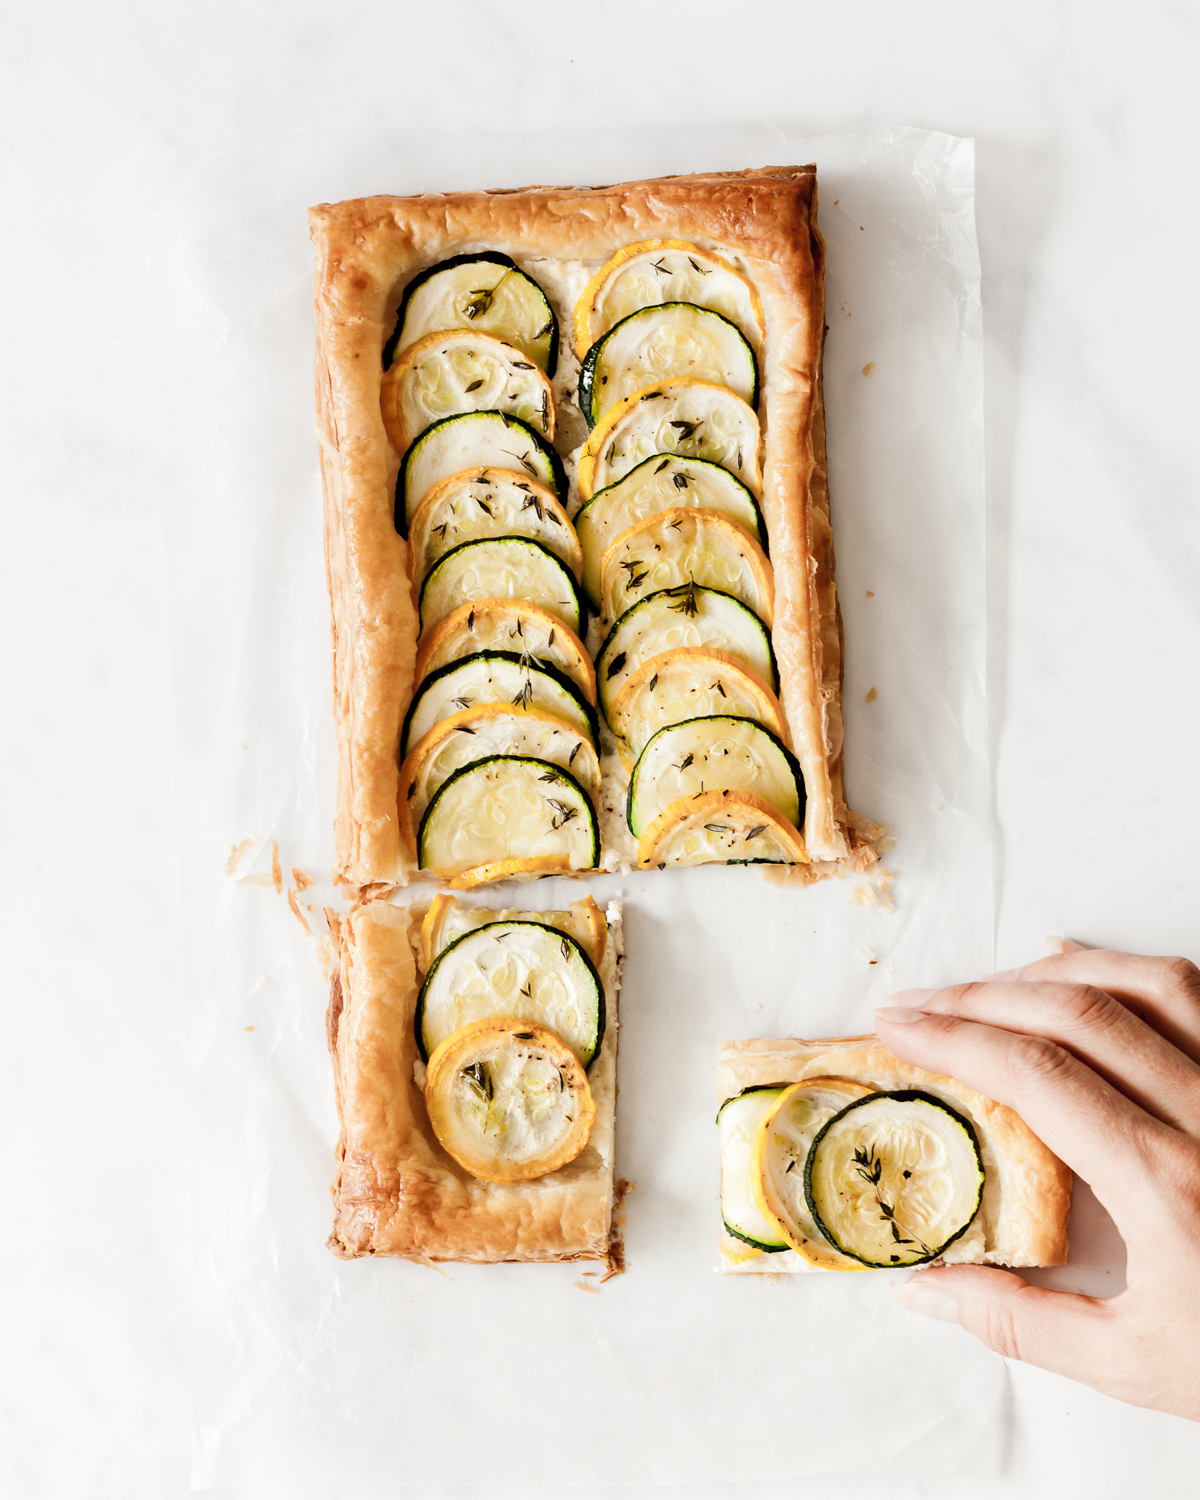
(507, 625)
(781, 1146)
(536, 868)
(655, 271)
(691, 418)
(677, 547)
(508, 1100)
(461, 370)
(448, 919)
(689, 683)
(482, 503)
(660, 483)
(725, 827)
(487, 730)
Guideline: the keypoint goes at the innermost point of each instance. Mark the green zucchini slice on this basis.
(484, 291)
(507, 808)
(506, 567)
(519, 969)
(482, 503)
(708, 755)
(661, 482)
(895, 1178)
(675, 618)
(673, 341)
(738, 1120)
(502, 677)
(473, 440)
(461, 370)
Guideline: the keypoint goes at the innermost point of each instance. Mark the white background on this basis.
(1085, 118)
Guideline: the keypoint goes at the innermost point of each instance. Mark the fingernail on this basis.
(911, 997)
(899, 1014)
(926, 1298)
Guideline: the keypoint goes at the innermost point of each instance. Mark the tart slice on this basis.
(691, 418)
(484, 291)
(462, 370)
(674, 341)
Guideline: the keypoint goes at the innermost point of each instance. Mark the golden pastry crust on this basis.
(396, 1191)
(366, 251)
(1027, 1193)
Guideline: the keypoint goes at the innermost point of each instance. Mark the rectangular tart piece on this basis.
(762, 225)
(397, 1191)
(880, 1205)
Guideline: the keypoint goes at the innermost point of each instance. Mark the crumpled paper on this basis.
(314, 1371)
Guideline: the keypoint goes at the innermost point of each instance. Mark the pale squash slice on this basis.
(505, 816)
(447, 919)
(725, 827)
(689, 683)
(503, 567)
(675, 341)
(782, 1141)
(508, 1100)
(462, 370)
(656, 271)
(480, 732)
(473, 440)
(662, 482)
(677, 547)
(482, 503)
(691, 418)
(507, 625)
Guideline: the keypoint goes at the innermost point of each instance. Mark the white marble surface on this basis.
(1085, 117)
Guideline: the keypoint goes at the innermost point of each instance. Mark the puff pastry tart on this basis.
(837, 1156)
(502, 512)
(475, 1062)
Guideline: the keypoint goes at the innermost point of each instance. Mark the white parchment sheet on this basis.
(315, 1371)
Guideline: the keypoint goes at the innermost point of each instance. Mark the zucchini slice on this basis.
(687, 616)
(507, 567)
(496, 677)
(775, 1176)
(473, 440)
(485, 291)
(508, 809)
(730, 828)
(508, 1100)
(691, 418)
(662, 482)
(689, 683)
(676, 341)
(656, 271)
(482, 503)
(712, 755)
(676, 547)
(738, 1120)
(477, 733)
(462, 370)
(447, 919)
(894, 1178)
(507, 625)
(513, 968)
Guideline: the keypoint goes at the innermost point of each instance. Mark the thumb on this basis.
(1059, 1331)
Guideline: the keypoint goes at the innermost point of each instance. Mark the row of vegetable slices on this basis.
(509, 1019)
(667, 548)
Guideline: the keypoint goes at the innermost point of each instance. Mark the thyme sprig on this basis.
(482, 297)
(869, 1167)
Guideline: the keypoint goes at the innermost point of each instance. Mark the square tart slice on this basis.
(398, 1191)
(761, 227)
(903, 1164)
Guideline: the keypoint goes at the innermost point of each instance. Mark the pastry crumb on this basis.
(294, 907)
(870, 593)
(236, 854)
(302, 880)
(249, 1028)
(585, 1287)
(868, 955)
(267, 880)
(869, 368)
(276, 869)
(871, 696)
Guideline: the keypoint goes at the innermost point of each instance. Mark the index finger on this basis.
(1097, 1131)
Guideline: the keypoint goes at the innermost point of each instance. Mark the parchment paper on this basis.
(312, 1371)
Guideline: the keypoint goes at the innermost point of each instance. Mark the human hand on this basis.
(1100, 1054)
